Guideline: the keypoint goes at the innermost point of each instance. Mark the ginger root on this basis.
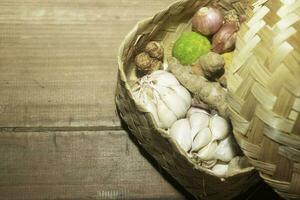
(211, 65)
(211, 93)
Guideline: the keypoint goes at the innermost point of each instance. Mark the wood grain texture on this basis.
(58, 65)
(77, 165)
(58, 71)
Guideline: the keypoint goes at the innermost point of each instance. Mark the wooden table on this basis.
(60, 135)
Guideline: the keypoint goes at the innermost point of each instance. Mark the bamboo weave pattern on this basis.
(264, 93)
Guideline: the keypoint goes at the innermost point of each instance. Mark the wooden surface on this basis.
(77, 165)
(60, 136)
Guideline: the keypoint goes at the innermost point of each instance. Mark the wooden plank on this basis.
(58, 64)
(77, 165)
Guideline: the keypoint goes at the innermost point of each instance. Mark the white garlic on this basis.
(226, 150)
(171, 100)
(163, 78)
(183, 93)
(220, 169)
(198, 121)
(208, 152)
(180, 132)
(202, 139)
(219, 127)
(165, 115)
(193, 110)
(151, 107)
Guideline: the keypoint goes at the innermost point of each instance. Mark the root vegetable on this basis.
(211, 93)
(224, 40)
(211, 65)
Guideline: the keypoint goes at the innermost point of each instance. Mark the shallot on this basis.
(207, 20)
(224, 40)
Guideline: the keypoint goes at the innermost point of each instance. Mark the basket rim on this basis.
(163, 133)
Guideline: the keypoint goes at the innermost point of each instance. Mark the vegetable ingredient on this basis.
(155, 50)
(146, 63)
(208, 152)
(219, 127)
(180, 132)
(193, 110)
(151, 58)
(211, 93)
(220, 169)
(162, 95)
(224, 40)
(202, 139)
(226, 149)
(212, 147)
(211, 65)
(198, 122)
(207, 20)
(190, 46)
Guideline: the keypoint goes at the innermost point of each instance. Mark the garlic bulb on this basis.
(198, 122)
(208, 152)
(226, 149)
(193, 110)
(219, 127)
(162, 96)
(220, 169)
(180, 132)
(202, 139)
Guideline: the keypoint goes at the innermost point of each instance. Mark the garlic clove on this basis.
(220, 169)
(208, 164)
(208, 152)
(198, 122)
(219, 127)
(226, 150)
(193, 110)
(163, 78)
(184, 94)
(165, 115)
(172, 101)
(202, 139)
(180, 132)
(150, 106)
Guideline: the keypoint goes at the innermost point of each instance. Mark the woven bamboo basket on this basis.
(264, 97)
(165, 27)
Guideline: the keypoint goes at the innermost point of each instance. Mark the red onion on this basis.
(207, 20)
(224, 40)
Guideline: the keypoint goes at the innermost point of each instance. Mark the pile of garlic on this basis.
(207, 140)
(163, 96)
(203, 136)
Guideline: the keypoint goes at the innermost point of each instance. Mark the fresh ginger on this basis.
(211, 93)
(211, 66)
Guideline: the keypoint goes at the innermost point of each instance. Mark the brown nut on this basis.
(143, 61)
(146, 63)
(155, 50)
(156, 65)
